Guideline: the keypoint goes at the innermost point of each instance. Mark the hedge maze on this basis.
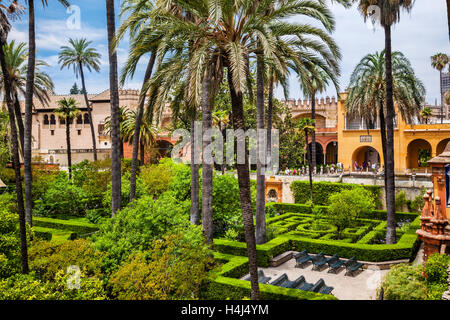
(292, 227)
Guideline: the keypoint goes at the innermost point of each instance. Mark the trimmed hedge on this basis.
(70, 225)
(226, 286)
(362, 250)
(322, 190)
(282, 208)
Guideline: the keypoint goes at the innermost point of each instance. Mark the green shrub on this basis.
(29, 287)
(125, 192)
(10, 256)
(436, 268)
(47, 258)
(403, 282)
(137, 225)
(62, 198)
(172, 269)
(92, 177)
(321, 191)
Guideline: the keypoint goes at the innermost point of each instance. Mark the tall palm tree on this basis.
(221, 119)
(308, 127)
(139, 13)
(114, 96)
(439, 61)
(367, 94)
(80, 55)
(314, 81)
(9, 10)
(147, 131)
(124, 113)
(16, 56)
(29, 93)
(215, 30)
(389, 15)
(67, 111)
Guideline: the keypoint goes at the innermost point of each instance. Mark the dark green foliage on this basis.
(10, 262)
(322, 190)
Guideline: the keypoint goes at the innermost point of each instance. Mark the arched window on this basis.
(52, 119)
(46, 122)
(86, 118)
(80, 119)
(62, 120)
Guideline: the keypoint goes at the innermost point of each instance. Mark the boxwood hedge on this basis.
(225, 285)
(322, 190)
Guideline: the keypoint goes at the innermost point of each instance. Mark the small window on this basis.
(106, 143)
(52, 132)
(52, 119)
(46, 122)
(86, 118)
(80, 119)
(62, 121)
(79, 132)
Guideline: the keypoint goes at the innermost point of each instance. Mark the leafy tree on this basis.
(346, 206)
(426, 114)
(74, 89)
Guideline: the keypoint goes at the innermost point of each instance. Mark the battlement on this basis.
(323, 103)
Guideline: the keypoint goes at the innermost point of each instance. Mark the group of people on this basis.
(366, 166)
(332, 168)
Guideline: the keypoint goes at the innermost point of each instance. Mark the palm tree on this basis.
(389, 15)
(114, 95)
(9, 10)
(67, 111)
(439, 62)
(314, 81)
(80, 55)
(215, 30)
(147, 132)
(29, 93)
(124, 113)
(139, 16)
(16, 56)
(367, 97)
(307, 126)
(426, 113)
(221, 119)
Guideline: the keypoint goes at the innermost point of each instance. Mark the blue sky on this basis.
(419, 35)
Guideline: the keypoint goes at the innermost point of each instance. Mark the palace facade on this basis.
(339, 137)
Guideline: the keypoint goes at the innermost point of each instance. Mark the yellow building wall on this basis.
(407, 141)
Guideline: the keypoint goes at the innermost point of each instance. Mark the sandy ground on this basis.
(361, 286)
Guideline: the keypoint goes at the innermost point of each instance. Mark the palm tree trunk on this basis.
(16, 162)
(195, 214)
(389, 165)
(18, 114)
(448, 17)
(207, 167)
(308, 155)
(69, 151)
(29, 91)
(383, 142)
(115, 125)
(313, 135)
(442, 97)
(244, 189)
(260, 158)
(91, 121)
(142, 154)
(269, 124)
(137, 128)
